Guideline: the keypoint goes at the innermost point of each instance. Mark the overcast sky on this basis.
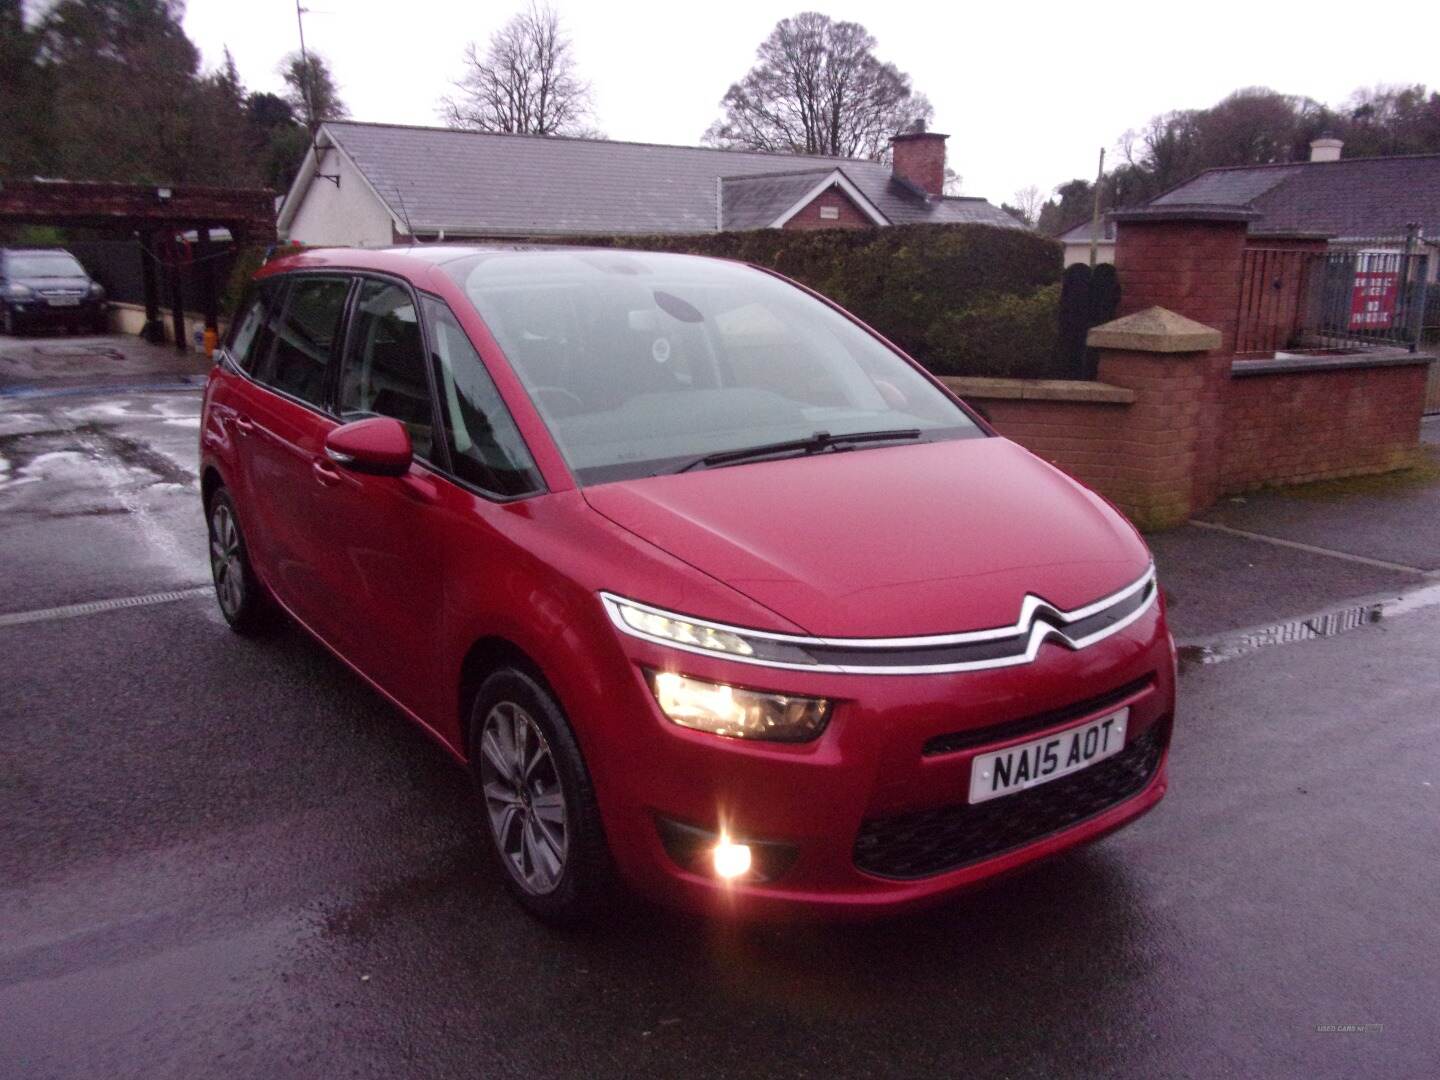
(1028, 92)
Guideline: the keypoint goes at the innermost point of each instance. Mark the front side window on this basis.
(486, 448)
(305, 337)
(383, 370)
(643, 363)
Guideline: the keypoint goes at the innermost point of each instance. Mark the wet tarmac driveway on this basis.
(225, 858)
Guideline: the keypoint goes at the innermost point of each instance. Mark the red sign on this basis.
(1372, 303)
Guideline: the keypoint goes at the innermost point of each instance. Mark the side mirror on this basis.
(376, 446)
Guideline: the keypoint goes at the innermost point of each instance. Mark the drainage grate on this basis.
(95, 607)
(1307, 628)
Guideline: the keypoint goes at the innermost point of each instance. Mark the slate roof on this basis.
(1351, 198)
(753, 202)
(471, 183)
(1080, 234)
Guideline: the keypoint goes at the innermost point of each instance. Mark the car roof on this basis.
(418, 257)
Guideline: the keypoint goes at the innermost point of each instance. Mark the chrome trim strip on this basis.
(1035, 632)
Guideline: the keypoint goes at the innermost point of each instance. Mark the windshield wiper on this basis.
(812, 444)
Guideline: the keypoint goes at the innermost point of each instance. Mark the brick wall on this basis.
(1173, 423)
(1146, 437)
(1290, 427)
(1149, 455)
(850, 214)
(1077, 436)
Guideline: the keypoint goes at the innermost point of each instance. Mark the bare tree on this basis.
(1029, 200)
(524, 84)
(817, 88)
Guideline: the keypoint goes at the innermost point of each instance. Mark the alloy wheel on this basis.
(524, 798)
(225, 560)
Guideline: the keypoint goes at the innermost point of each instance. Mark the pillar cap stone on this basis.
(1157, 330)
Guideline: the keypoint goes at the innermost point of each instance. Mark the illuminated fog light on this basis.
(731, 860)
(738, 714)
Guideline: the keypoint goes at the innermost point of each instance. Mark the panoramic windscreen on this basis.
(644, 364)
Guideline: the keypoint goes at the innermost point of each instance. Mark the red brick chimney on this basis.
(919, 157)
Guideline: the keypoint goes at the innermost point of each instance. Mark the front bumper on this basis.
(39, 312)
(888, 778)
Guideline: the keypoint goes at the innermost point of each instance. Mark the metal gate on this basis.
(1352, 297)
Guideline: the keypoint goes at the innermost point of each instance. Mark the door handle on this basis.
(243, 424)
(324, 472)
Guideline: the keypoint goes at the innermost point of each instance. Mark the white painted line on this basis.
(95, 607)
(1311, 548)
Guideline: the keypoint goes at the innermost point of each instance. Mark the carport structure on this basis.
(156, 214)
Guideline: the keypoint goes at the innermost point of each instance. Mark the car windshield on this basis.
(43, 264)
(642, 364)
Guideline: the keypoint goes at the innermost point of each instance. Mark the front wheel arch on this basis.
(485, 657)
(210, 482)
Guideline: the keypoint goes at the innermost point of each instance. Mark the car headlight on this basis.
(736, 713)
(19, 292)
(694, 635)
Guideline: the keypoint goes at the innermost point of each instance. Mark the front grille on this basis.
(929, 842)
(1013, 729)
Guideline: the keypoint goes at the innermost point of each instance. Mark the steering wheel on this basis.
(572, 402)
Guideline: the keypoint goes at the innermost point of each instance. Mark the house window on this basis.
(829, 213)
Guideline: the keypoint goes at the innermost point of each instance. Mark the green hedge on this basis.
(1009, 336)
(961, 299)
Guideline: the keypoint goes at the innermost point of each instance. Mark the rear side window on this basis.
(305, 337)
(254, 329)
(485, 446)
(383, 370)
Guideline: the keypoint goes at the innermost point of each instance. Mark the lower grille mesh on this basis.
(930, 842)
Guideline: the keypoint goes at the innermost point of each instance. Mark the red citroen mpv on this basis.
(713, 590)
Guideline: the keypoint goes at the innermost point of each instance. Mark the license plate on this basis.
(63, 301)
(1004, 772)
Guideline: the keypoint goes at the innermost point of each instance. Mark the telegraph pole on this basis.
(1095, 214)
(305, 73)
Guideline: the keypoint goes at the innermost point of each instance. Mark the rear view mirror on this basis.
(377, 446)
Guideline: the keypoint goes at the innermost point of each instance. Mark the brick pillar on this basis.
(1186, 259)
(1166, 442)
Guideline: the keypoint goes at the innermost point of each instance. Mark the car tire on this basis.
(560, 871)
(238, 591)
